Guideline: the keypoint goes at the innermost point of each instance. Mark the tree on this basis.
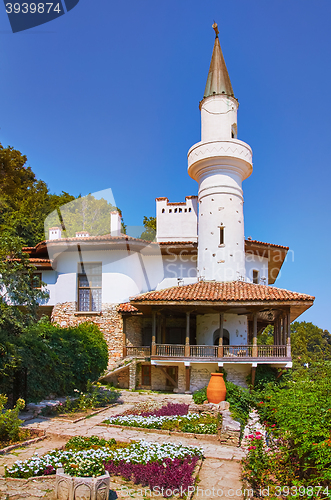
(310, 343)
(150, 229)
(85, 213)
(25, 201)
(19, 302)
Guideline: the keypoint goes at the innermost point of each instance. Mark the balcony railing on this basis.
(237, 351)
(271, 351)
(170, 350)
(226, 352)
(203, 351)
(142, 351)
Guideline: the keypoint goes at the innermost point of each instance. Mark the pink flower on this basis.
(250, 436)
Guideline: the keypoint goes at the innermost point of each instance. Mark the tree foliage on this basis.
(85, 213)
(150, 229)
(74, 355)
(25, 201)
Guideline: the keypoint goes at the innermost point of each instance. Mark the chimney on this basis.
(82, 234)
(115, 224)
(54, 233)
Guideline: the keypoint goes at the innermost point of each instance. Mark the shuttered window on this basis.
(90, 287)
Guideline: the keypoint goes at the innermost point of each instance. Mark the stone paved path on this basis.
(220, 470)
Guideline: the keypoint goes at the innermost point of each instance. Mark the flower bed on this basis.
(172, 417)
(148, 464)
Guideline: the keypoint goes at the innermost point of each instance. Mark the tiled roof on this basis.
(177, 243)
(127, 307)
(213, 291)
(34, 260)
(266, 244)
(104, 237)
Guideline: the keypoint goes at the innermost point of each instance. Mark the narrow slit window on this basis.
(163, 210)
(255, 276)
(221, 235)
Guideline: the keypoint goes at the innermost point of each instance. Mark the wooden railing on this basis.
(209, 351)
(170, 350)
(271, 351)
(140, 351)
(203, 351)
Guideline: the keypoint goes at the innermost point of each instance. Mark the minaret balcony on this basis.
(235, 154)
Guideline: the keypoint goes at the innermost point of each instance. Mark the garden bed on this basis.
(169, 418)
(204, 437)
(146, 465)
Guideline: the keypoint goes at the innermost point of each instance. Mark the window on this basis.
(36, 281)
(255, 276)
(163, 210)
(221, 235)
(146, 375)
(89, 287)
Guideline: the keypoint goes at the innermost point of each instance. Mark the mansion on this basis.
(194, 300)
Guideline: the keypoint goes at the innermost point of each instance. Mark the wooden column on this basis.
(124, 337)
(187, 378)
(187, 338)
(285, 328)
(288, 335)
(164, 330)
(254, 350)
(153, 333)
(220, 350)
(253, 375)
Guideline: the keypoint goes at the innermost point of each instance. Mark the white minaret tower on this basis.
(219, 163)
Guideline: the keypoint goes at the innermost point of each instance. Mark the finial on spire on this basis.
(215, 28)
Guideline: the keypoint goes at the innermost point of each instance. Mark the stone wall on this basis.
(109, 321)
(133, 328)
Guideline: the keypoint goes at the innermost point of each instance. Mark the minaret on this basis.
(219, 163)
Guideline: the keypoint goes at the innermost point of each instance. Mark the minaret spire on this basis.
(218, 81)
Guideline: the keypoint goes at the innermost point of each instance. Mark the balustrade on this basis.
(207, 351)
(140, 351)
(203, 351)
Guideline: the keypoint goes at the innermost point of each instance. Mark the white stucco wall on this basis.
(177, 221)
(124, 274)
(208, 323)
(258, 263)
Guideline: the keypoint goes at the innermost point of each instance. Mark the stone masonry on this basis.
(109, 321)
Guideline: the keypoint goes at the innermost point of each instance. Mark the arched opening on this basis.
(226, 337)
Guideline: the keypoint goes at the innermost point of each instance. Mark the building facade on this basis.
(174, 310)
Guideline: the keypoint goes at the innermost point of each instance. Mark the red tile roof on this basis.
(266, 244)
(213, 291)
(127, 307)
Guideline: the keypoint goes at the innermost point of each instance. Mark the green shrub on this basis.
(78, 443)
(298, 415)
(200, 396)
(74, 355)
(10, 424)
(239, 398)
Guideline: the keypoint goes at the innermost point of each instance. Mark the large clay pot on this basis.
(216, 390)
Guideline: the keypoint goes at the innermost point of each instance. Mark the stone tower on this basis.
(219, 163)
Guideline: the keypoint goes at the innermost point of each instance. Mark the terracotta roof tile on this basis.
(212, 291)
(127, 307)
(267, 244)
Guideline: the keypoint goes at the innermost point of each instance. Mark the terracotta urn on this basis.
(216, 390)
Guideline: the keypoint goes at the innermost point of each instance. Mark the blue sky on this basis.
(107, 96)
